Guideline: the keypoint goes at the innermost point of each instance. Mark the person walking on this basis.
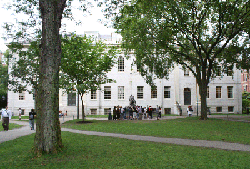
(31, 119)
(20, 113)
(6, 116)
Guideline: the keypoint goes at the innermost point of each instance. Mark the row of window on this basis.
(121, 95)
(166, 110)
(229, 71)
(230, 109)
(219, 89)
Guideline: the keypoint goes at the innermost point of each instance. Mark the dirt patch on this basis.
(84, 122)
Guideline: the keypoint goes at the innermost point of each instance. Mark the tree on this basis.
(47, 13)
(85, 62)
(24, 73)
(245, 101)
(3, 84)
(48, 133)
(199, 35)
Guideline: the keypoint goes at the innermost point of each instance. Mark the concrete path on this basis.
(25, 130)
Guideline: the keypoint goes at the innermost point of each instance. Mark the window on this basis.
(167, 91)
(71, 99)
(229, 71)
(230, 91)
(93, 94)
(230, 108)
(186, 72)
(107, 111)
(21, 95)
(107, 92)
(139, 92)
(218, 91)
(120, 92)
(93, 111)
(154, 93)
(207, 91)
(218, 109)
(187, 96)
(167, 110)
(218, 71)
(120, 64)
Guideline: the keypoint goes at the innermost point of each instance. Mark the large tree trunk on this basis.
(48, 131)
(203, 94)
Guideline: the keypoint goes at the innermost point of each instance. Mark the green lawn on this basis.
(11, 126)
(81, 151)
(17, 117)
(97, 116)
(191, 128)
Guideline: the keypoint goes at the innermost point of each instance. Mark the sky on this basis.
(90, 22)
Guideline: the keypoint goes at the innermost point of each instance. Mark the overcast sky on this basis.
(90, 22)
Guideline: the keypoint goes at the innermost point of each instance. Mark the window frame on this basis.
(70, 100)
(21, 95)
(107, 93)
(230, 94)
(218, 92)
(93, 94)
(140, 92)
(121, 64)
(121, 92)
(167, 92)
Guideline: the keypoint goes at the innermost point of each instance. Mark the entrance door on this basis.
(187, 96)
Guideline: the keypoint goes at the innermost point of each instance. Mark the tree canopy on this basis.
(85, 62)
(199, 35)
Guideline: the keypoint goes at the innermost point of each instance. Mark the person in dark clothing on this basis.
(118, 112)
(150, 112)
(31, 119)
(114, 113)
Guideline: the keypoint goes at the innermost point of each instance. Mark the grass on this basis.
(81, 151)
(11, 126)
(97, 116)
(17, 117)
(189, 128)
(229, 114)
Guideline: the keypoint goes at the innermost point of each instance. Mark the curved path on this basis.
(25, 130)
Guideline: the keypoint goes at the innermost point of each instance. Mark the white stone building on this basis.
(224, 92)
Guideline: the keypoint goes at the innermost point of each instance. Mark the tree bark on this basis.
(203, 94)
(83, 115)
(48, 131)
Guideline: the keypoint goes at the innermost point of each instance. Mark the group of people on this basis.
(133, 112)
(6, 115)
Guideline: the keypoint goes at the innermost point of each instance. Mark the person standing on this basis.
(19, 113)
(114, 113)
(150, 113)
(31, 119)
(6, 116)
(118, 112)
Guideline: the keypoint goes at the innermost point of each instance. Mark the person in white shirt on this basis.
(6, 115)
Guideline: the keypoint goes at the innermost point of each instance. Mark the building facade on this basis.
(245, 81)
(174, 94)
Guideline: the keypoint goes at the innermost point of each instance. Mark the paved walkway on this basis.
(25, 130)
